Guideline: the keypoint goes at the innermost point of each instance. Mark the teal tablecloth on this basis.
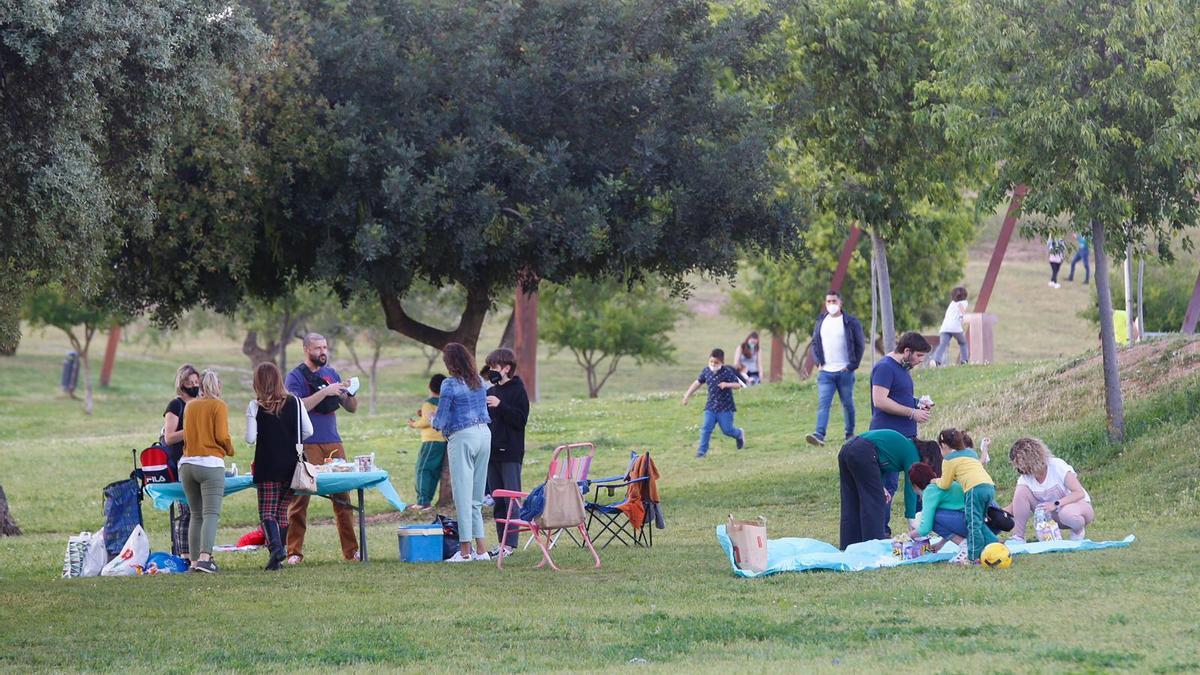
(163, 494)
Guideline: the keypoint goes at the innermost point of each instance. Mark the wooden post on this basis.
(110, 354)
(525, 339)
(1192, 316)
(776, 372)
(1006, 230)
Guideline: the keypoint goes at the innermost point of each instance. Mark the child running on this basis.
(721, 381)
(962, 464)
(433, 447)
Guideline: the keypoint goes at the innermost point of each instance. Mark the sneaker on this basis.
(701, 455)
(481, 556)
(815, 439)
(356, 557)
(419, 507)
(207, 566)
(294, 559)
(1078, 536)
(458, 557)
(848, 437)
(960, 558)
(488, 501)
(495, 552)
(741, 440)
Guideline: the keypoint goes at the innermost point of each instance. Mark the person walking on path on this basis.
(1055, 248)
(276, 422)
(206, 444)
(719, 409)
(1081, 255)
(320, 388)
(462, 415)
(508, 406)
(837, 348)
(893, 404)
(952, 327)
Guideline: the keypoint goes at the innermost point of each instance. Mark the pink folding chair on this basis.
(545, 539)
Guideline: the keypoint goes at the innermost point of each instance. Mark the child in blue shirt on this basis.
(721, 381)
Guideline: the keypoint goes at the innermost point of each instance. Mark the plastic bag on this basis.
(76, 550)
(97, 556)
(165, 563)
(132, 558)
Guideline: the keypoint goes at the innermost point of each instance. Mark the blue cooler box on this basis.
(420, 543)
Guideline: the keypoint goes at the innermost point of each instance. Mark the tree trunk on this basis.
(256, 353)
(1108, 340)
(88, 403)
(8, 526)
(445, 490)
(509, 338)
(469, 324)
(885, 290)
(431, 357)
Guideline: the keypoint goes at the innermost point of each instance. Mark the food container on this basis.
(420, 543)
(365, 462)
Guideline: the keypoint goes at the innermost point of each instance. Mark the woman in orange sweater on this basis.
(206, 444)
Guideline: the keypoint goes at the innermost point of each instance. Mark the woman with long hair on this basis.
(462, 416)
(206, 444)
(187, 388)
(275, 422)
(749, 359)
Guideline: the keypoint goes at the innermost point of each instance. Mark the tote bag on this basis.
(304, 478)
(564, 502)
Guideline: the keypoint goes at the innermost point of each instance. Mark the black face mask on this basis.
(494, 377)
(194, 392)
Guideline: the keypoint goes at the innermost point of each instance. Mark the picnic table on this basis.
(329, 483)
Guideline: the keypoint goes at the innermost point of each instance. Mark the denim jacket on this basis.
(460, 407)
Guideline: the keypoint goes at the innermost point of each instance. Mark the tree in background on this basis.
(785, 295)
(606, 320)
(856, 84)
(364, 323)
(1094, 106)
(79, 318)
(88, 95)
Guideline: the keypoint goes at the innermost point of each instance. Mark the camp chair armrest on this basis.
(509, 494)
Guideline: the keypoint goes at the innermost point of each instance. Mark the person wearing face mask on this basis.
(187, 388)
(719, 409)
(749, 361)
(893, 404)
(508, 406)
(837, 349)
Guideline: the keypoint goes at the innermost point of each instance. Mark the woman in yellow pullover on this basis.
(206, 444)
(962, 464)
(433, 447)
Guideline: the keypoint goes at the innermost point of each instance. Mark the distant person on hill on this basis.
(749, 360)
(1048, 483)
(508, 406)
(837, 348)
(893, 405)
(952, 327)
(719, 409)
(206, 444)
(432, 454)
(1055, 248)
(276, 422)
(862, 463)
(187, 388)
(960, 463)
(1081, 255)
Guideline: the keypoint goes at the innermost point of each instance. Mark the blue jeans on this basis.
(950, 521)
(827, 383)
(964, 352)
(712, 419)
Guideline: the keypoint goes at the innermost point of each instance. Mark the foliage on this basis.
(54, 306)
(599, 320)
(88, 92)
(1167, 289)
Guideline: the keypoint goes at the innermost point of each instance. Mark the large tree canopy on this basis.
(481, 143)
(88, 91)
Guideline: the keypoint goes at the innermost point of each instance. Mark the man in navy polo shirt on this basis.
(893, 405)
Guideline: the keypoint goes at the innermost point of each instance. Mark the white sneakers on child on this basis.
(1078, 536)
(960, 558)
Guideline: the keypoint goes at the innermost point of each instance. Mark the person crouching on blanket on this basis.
(862, 463)
(960, 463)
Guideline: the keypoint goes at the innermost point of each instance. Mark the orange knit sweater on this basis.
(206, 429)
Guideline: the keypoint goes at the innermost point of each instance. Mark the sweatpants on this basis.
(1074, 516)
(977, 500)
(204, 487)
(504, 476)
(429, 470)
(468, 453)
(863, 505)
(943, 348)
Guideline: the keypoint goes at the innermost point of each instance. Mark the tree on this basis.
(604, 320)
(857, 89)
(482, 144)
(364, 321)
(1093, 106)
(785, 295)
(88, 92)
(78, 318)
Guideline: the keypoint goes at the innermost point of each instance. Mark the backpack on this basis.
(449, 536)
(156, 465)
(315, 384)
(534, 504)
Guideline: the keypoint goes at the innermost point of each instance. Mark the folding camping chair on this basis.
(580, 466)
(612, 518)
(513, 522)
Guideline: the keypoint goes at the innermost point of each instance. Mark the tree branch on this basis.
(469, 324)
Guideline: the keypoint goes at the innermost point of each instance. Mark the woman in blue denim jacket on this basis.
(462, 416)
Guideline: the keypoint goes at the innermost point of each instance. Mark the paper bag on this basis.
(749, 539)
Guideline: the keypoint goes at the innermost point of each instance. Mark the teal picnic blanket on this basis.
(798, 554)
(328, 483)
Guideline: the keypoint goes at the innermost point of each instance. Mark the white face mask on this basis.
(714, 368)
(833, 308)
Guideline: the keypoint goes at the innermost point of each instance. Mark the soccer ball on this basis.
(996, 556)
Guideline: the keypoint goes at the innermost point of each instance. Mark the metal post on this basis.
(1006, 230)
(1140, 297)
(839, 275)
(1192, 316)
(362, 527)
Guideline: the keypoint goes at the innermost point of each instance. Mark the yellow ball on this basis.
(996, 556)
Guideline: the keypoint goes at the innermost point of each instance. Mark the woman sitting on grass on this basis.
(1048, 483)
(206, 444)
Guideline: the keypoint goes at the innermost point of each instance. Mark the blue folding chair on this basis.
(614, 523)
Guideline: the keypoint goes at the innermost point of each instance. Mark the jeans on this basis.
(712, 419)
(205, 489)
(827, 383)
(948, 522)
(469, 450)
(964, 352)
(863, 507)
(1080, 256)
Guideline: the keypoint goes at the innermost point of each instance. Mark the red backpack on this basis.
(156, 466)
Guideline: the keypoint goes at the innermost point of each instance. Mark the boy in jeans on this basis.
(721, 381)
(433, 447)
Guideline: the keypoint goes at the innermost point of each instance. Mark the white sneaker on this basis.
(481, 556)
(495, 552)
(1078, 536)
(960, 558)
(458, 557)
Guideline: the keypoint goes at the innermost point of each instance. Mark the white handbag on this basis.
(304, 478)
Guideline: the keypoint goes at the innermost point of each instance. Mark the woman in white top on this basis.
(952, 327)
(1048, 483)
(749, 363)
